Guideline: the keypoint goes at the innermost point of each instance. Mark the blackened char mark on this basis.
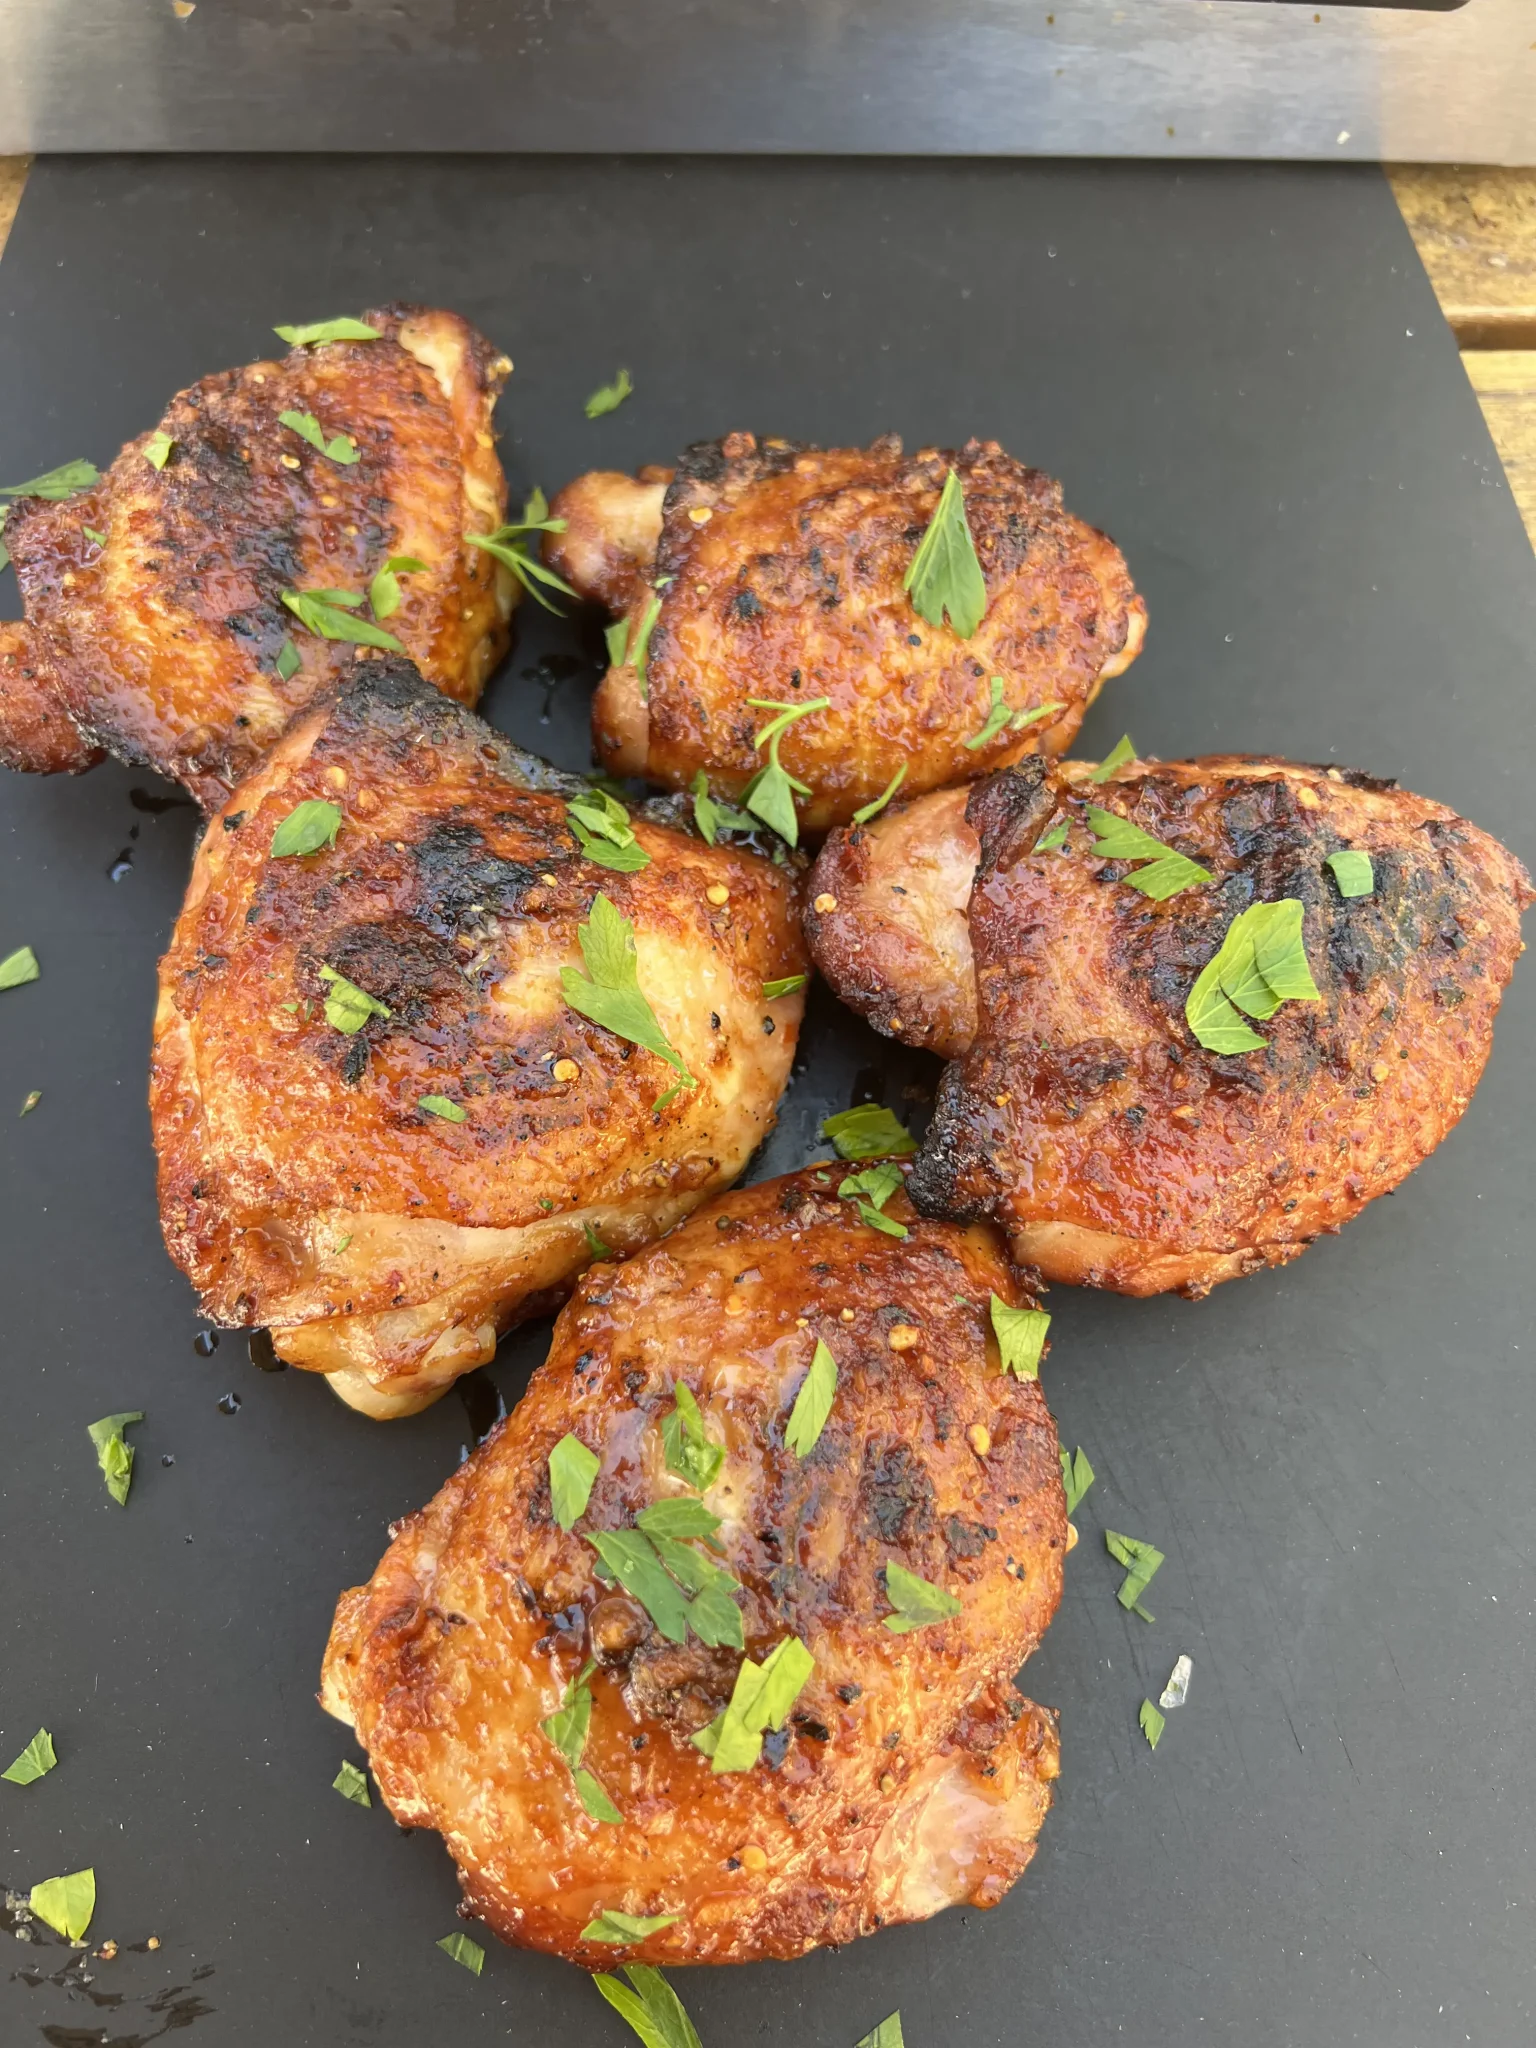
(1009, 810)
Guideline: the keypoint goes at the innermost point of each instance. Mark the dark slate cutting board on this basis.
(1243, 375)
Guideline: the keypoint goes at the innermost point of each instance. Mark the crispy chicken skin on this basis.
(302, 1185)
(1080, 1113)
(160, 644)
(785, 565)
(910, 1775)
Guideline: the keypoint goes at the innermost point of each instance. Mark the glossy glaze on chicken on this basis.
(779, 569)
(161, 640)
(910, 1775)
(1079, 1111)
(303, 1184)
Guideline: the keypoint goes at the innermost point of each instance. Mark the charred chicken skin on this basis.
(383, 1132)
(775, 570)
(907, 1775)
(1079, 1110)
(163, 639)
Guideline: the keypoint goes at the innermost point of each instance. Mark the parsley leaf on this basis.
(689, 1451)
(916, 1601)
(572, 1470)
(595, 1244)
(944, 574)
(64, 482)
(813, 1403)
(632, 1560)
(30, 1101)
(653, 2009)
(997, 717)
(609, 992)
(1076, 1476)
(66, 1903)
(567, 1730)
(592, 1796)
(1353, 872)
(348, 1007)
(1122, 751)
(384, 590)
(1055, 836)
(610, 1925)
(509, 546)
(787, 985)
(760, 1699)
(862, 817)
(114, 1454)
(601, 827)
(868, 1132)
(307, 827)
(35, 1761)
(1020, 1338)
(886, 2035)
(19, 967)
(340, 448)
(608, 397)
(329, 613)
(326, 330)
(444, 1106)
(638, 657)
(1260, 964)
(710, 815)
(157, 449)
(352, 1784)
(869, 1192)
(771, 793)
(95, 536)
(1116, 838)
(1152, 1723)
(713, 1614)
(287, 663)
(678, 1517)
(1142, 1563)
(461, 1949)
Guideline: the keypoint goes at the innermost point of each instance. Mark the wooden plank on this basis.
(1505, 383)
(1475, 230)
(13, 175)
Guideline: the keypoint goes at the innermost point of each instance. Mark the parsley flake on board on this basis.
(30, 1101)
(916, 1601)
(572, 1470)
(609, 992)
(771, 793)
(623, 1928)
(352, 1784)
(787, 985)
(868, 1132)
(509, 545)
(1020, 1338)
(1116, 838)
(384, 590)
(1122, 751)
(348, 1007)
(862, 817)
(1076, 1476)
(710, 815)
(1142, 1563)
(287, 663)
(443, 1106)
(329, 614)
(609, 397)
(114, 1454)
(307, 827)
(18, 967)
(944, 575)
(35, 1761)
(600, 825)
(813, 1403)
(340, 448)
(760, 1699)
(1151, 1723)
(66, 1903)
(1260, 964)
(326, 330)
(887, 2035)
(1353, 872)
(869, 1192)
(157, 449)
(652, 2008)
(460, 1949)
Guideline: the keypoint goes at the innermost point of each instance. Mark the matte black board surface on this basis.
(1244, 377)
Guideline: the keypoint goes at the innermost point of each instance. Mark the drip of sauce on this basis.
(205, 1343)
(147, 800)
(229, 1404)
(482, 1404)
(263, 1357)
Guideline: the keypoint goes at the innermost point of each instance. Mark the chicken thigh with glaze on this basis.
(906, 1773)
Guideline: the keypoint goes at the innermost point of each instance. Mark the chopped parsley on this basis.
(652, 2008)
(326, 330)
(1260, 964)
(1076, 1476)
(813, 1403)
(509, 545)
(1142, 1563)
(157, 449)
(869, 1192)
(1152, 1723)
(1020, 1338)
(348, 1007)
(114, 1454)
(862, 817)
(287, 663)
(1122, 751)
(307, 827)
(1353, 872)
(886, 2035)
(340, 448)
(572, 1471)
(1116, 838)
(689, 1452)
(944, 575)
(649, 1568)
(710, 815)
(609, 992)
(443, 1106)
(680, 1518)
(352, 1784)
(329, 614)
(917, 1601)
(771, 793)
(868, 1132)
(384, 590)
(623, 1928)
(66, 1903)
(608, 397)
(787, 985)
(601, 827)
(460, 1949)
(567, 1730)
(595, 1244)
(35, 1761)
(30, 1101)
(760, 1700)
(67, 481)
(1054, 837)
(19, 967)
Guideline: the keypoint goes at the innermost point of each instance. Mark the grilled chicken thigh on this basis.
(383, 1130)
(155, 625)
(775, 572)
(905, 1774)
(1080, 1112)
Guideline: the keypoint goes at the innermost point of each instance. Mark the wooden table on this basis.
(1476, 233)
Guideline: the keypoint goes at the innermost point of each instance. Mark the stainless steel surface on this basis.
(1145, 78)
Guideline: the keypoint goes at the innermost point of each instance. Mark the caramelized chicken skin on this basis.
(780, 569)
(303, 1186)
(160, 643)
(910, 1775)
(1080, 1113)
